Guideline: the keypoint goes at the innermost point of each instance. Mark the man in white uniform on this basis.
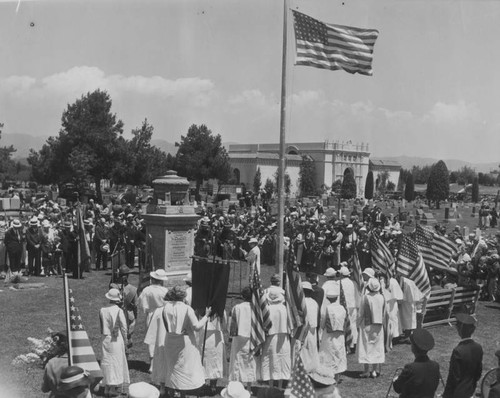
(352, 298)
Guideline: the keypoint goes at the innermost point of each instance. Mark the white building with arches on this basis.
(332, 161)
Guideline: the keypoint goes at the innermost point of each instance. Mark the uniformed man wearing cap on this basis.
(466, 363)
(421, 377)
(129, 293)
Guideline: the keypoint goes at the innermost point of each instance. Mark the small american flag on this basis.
(411, 266)
(333, 47)
(382, 258)
(436, 249)
(296, 304)
(301, 384)
(81, 352)
(356, 271)
(261, 318)
(347, 325)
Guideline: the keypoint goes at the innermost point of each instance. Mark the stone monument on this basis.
(171, 224)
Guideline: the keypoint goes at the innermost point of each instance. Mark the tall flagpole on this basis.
(281, 167)
(68, 325)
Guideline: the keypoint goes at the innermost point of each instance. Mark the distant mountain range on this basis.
(407, 162)
(24, 142)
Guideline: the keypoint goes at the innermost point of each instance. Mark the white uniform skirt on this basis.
(371, 344)
(114, 361)
(276, 357)
(242, 364)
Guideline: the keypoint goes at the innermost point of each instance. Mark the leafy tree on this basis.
(382, 180)
(369, 186)
(269, 187)
(337, 186)
(288, 182)
(403, 174)
(171, 162)
(475, 190)
(307, 177)
(421, 174)
(201, 156)
(391, 186)
(257, 181)
(409, 188)
(348, 190)
(142, 162)
(89, 144)
(438, 185)
(7, 165)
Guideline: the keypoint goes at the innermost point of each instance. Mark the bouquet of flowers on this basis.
(41, 350)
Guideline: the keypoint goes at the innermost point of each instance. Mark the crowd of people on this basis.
(188, 350)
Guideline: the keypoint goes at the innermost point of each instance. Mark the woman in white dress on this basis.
(332, 350)
(276, 357)
(393, 296)
(214, 356)
(371, 348)
(114, 329)
(309, 351)
(183, 368)
(242, 364)
(155, 336)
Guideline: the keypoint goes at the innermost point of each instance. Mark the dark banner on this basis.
(210, 284)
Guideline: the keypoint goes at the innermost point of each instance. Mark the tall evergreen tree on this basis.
(438, 184)
(348, 190)
(307, 177)
(369, 186)
(475, 190)
(257, 181)
(409, 188)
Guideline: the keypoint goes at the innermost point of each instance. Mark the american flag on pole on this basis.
(411, 265)
(382, 258)
(261, 318)
(347, 326)
(81, 352)
(296, 304)
(436, 249)
(327, 46)
(301, 383)
(356, 270)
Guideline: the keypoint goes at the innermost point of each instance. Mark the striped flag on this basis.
(347, 325)
(382, 258)
(356, 271)
(296, 304)
(411, 265)
(261, 319)
(436, 249)
(81, 352)
(83, 245)
(301, 383)
(333, 47)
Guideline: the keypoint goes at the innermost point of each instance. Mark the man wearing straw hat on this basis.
(33, 247)
(14, 239)
(421, 377)
(151, 298)
(252, 257)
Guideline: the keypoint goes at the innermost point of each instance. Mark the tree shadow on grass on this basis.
(492, 305)
(140, 366)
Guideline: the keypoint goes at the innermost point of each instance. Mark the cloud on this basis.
(17, 85)
(451, 114)
(254, 98)
(79, 80)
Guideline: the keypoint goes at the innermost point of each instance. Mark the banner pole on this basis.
(68, 324)
(282, 160)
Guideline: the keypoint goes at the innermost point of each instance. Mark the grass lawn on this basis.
(29, 313)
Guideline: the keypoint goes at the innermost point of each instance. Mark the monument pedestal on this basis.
(171, 236)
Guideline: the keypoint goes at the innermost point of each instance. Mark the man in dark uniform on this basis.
(420, 378)
(466, 363)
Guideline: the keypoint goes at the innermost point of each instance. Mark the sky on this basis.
(435, 89)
